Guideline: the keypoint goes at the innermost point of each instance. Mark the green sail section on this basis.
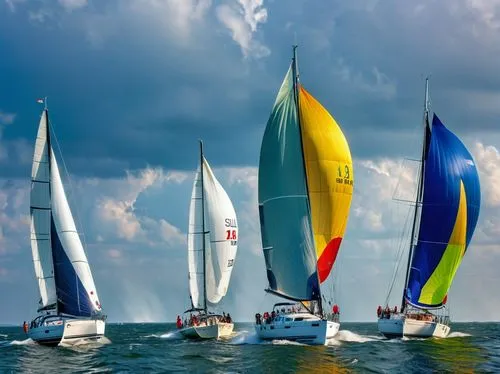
(286, 229)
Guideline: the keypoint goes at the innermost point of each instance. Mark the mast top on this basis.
(295, 64)
(427, 99)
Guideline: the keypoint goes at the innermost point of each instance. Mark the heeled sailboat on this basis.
(212, 247)
(305, 192)
(69, 308)
(446, 213)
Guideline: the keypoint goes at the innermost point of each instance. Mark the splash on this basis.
(458, 334)
(245, 337)
(251, 338)
(85, 344)
(171, 335)
(285, 342)
(349, 336)
(22, 342)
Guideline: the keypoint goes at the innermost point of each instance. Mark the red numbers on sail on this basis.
(230, 234)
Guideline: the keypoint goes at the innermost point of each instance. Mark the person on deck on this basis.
(228, 318)
(379, 311)
(257, 319)
(335, 310)
(395, 309)
(179, 322)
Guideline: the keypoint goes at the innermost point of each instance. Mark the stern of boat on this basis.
(81, 331)
(49, 335)
(312, 332)
(391, 327)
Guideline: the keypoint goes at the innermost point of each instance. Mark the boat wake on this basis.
(458, 334)
(352, 337)
(171, 335)
(85, 344)
(245, 337)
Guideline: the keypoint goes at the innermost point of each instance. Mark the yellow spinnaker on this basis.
(329, 178)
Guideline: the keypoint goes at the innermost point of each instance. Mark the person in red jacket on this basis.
(179, 322)
(335, 309)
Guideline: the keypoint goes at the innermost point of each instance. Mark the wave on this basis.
(458, 334)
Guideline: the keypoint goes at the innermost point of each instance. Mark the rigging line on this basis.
(401, 250)
(52, 126)
(399, 254)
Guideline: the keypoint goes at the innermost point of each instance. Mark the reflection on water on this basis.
(456, 354)
(37, 358)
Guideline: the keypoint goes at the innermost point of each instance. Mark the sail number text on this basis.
(346, 177)
(231, 234)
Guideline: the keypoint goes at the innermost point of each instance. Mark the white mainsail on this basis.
(221, 235)
(40, 217)
(61, 265)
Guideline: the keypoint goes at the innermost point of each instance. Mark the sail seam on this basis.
(284, 197)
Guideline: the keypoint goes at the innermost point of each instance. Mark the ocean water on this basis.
(138, 348)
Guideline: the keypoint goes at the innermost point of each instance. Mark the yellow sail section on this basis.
(329, 178)
(436, 288)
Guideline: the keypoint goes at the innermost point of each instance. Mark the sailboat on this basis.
(446, 213)
(212, 246)
(69, 308)
(305, 192)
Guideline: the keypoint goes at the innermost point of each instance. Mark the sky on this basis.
(133, 84)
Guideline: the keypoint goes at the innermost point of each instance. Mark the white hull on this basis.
(215, 331)
(63, 331)
(399, 326)
(310, 330)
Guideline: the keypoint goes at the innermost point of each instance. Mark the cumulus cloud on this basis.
(242, 19)
(119, 213)
(488, 163)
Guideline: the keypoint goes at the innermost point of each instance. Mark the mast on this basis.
(203, 230)
(295, 70)
(49, 156)
(418, 201)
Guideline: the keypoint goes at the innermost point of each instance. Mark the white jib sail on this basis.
(221, 238)
(68, 235)
(223, 233)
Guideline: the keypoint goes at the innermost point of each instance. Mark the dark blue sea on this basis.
(157, 348)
